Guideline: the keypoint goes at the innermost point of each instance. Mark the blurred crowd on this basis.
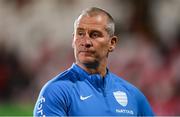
(35, 45)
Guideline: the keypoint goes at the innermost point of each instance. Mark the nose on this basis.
(87, 42)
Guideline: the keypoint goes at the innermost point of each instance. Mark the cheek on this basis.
(102, 48)
(76, 47)
(103, 45)
(77, 42)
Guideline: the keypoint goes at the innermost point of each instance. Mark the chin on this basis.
(86, 59)
(89, 63)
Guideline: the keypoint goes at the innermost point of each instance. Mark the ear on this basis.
(113, 43)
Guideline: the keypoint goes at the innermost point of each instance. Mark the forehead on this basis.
(92, 22)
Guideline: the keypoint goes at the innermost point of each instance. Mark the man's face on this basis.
(91, 41)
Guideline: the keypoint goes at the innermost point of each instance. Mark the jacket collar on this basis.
(95, 79)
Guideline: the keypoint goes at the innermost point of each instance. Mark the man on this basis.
(88, 88)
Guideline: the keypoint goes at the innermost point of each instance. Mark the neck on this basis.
(94, 68)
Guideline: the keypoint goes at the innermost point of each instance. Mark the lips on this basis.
(88, 53)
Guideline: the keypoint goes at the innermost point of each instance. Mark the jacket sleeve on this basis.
(144, 108)
(52, 101)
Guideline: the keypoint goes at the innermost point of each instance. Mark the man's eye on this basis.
(95, 35)
(80, 33)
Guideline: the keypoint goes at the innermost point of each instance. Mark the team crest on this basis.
(121, 98)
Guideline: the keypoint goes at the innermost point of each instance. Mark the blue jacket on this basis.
(77, 93)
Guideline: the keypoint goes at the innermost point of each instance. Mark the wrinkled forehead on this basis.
(98, 21)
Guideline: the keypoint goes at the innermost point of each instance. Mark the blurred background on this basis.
(35, 45)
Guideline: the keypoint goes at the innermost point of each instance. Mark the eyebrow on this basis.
(79, 28)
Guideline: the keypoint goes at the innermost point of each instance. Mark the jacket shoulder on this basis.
(125, 84)
(63, 81)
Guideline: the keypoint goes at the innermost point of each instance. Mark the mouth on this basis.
(87, 53)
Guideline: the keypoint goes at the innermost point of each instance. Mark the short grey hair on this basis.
(94, 11)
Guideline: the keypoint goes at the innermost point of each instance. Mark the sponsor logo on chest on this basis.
(122, 98)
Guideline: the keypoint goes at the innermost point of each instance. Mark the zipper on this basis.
(104, 87)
